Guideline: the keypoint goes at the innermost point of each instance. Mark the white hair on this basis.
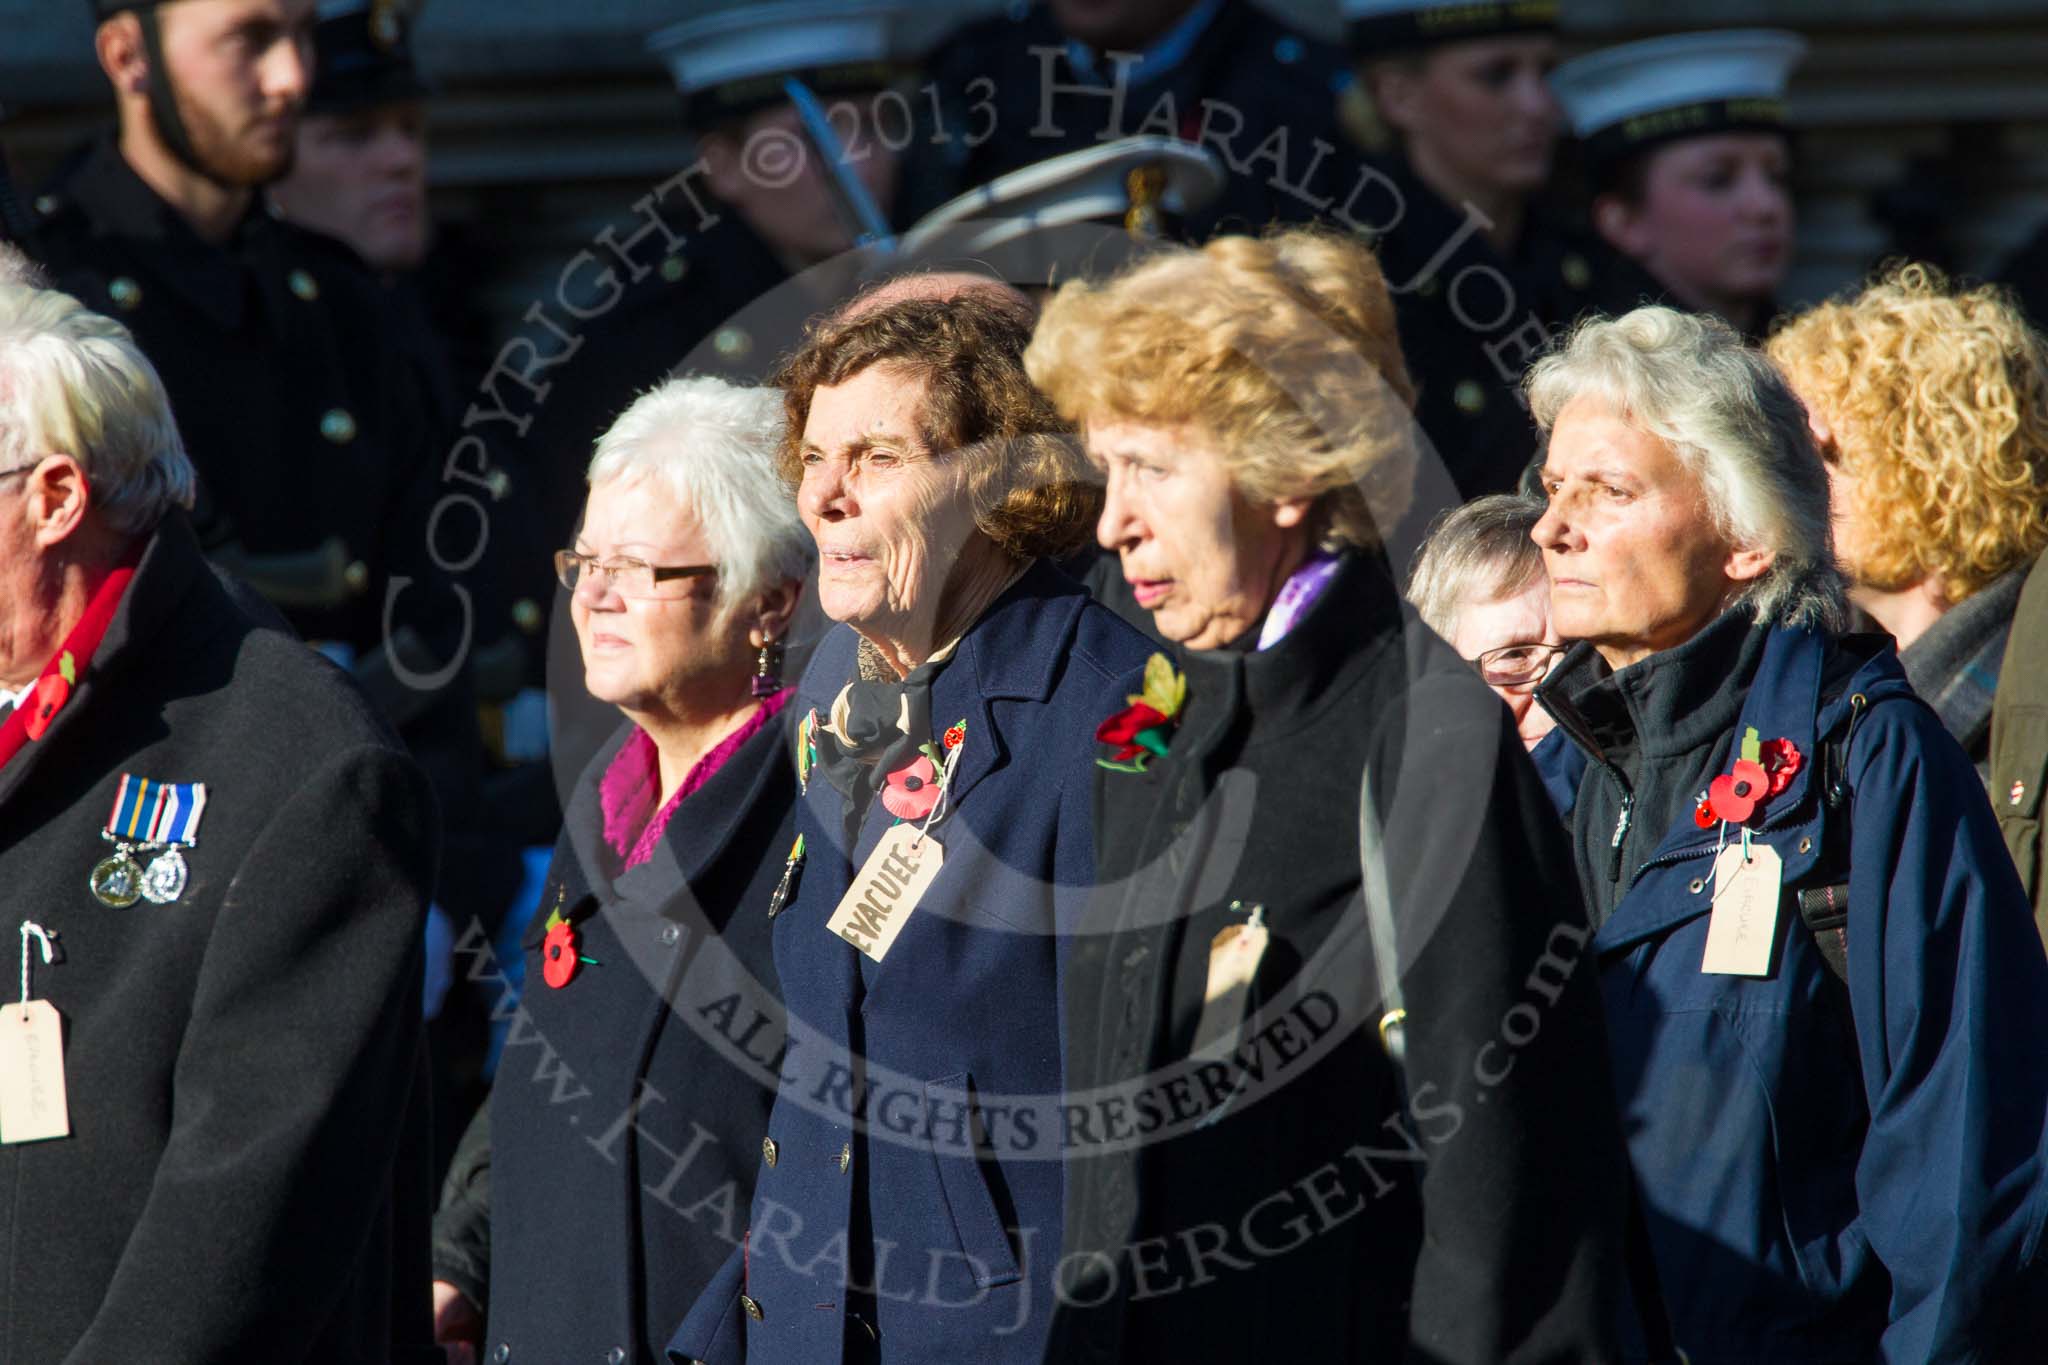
(1733, 421)
(18, 267)
(713, 444)
(1479, 552)
(73, 382)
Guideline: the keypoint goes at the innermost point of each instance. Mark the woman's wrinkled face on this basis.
(651, 654)
(890, 514)
(1715, 222)
(1635, 560)
(1481, 111)
(1519, 621)
(1199, 555)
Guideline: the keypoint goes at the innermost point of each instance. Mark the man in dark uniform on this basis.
(360, 176)
(1452, 104)
(1017, 88)
(221, 859)
(760, 207)
(318, 469)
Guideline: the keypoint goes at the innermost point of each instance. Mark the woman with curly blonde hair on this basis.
(1249, 407)
(1930, 406)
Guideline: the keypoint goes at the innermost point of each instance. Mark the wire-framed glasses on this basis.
(627, 576)
(1518, 666)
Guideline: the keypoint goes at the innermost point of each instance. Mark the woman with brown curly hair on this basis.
(1252, 1174)
(1930, 407)
(911, 1178)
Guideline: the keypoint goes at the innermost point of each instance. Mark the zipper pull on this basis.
(1621, 823)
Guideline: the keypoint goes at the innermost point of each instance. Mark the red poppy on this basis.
(52, 691)
(1735, 795)
(558, 956)
(1782, 761)
(954, 736)
(911, 791)
(1703, 814)
(1124, 728)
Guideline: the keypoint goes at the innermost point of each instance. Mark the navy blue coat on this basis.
(1835, 1176)
(627, 1120)
(914, 1200)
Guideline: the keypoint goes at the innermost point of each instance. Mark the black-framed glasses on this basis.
(1522, 665)
(627, 576)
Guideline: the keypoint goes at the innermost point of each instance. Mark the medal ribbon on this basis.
(79, 644)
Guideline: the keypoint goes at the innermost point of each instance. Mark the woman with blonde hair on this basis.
(1246, 1170)
(1930, 408)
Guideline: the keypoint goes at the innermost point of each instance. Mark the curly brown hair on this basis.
(1282, 347)
(1034, 494)
(1938, 398)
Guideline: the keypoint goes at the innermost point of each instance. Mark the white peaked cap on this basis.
(1607, 88)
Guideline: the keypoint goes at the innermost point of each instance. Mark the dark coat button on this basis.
(669, 935)
(503, 1353)
(615, 1356)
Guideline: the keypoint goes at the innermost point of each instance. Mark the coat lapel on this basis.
(1783, 702)
(1013, 654)
(169, 568)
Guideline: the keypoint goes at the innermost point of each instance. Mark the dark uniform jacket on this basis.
(296, 388)
(1472, 320)
(913, 1205)
(237, 1061)
(630, 1104)
(1828, 1175)
(278, 352)
(1265, 1192)
(1255, 91)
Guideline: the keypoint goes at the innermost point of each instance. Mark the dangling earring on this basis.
(768, 670)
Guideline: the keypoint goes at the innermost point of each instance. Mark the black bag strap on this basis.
(1825, 908)
(1373, 885)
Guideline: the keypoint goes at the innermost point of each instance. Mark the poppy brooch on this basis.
(1764, 770)
(912, 791)
(559, 955)
(1141, 730)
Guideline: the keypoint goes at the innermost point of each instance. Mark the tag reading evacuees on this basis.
(888, 887)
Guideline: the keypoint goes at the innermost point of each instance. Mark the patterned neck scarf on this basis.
(876, 728)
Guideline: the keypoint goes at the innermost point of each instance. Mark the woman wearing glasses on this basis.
(626, 1125)
(1479, 583)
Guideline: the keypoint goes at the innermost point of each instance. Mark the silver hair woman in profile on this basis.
(1763, 811)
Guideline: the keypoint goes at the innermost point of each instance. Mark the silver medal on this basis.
(164, 880)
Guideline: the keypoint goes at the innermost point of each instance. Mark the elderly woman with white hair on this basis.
(1479, 583)
(633, 1096)
(1825, 1000)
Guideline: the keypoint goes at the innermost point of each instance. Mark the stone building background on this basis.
(1923, 125)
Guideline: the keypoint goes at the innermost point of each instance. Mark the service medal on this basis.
(116, 880)
(163, 881)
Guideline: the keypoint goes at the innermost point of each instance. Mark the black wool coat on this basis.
(1270, 1195)
(238, 1060)
(631, 1102)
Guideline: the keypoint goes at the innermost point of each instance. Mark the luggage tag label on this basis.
(32, 1101)
(887, 889)
(1233, 961)
(1742, 927)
